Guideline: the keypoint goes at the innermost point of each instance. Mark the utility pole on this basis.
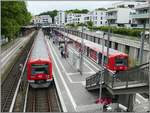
(142, 44)
(81, 53)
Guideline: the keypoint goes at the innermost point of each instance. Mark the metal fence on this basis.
(130, 78)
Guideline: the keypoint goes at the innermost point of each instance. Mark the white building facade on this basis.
(79, 18)
(119, 14)
(41, 20)
(61, 18)
(98, 17)
(119, 17)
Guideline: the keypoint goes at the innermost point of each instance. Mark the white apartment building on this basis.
(61, 18)
(41, 20)
(140, 16)
(35, 20)
(76, 18)
(79, 18)
(98, 17)
(119, 14)
(46, 19)
(70, 17)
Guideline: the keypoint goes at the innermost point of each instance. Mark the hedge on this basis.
(122, 31)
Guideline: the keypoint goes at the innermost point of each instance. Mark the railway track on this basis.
(43, 100)
(9, 85)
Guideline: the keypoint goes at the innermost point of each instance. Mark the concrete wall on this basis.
(121, 47)
(113, 45)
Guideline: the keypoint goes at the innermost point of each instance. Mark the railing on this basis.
(133, 77)
(93, 80)
(144, 15)
(142, 6)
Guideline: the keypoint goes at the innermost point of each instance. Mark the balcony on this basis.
(111, 17)
(146, 5)
(141, 26)
(138, 16)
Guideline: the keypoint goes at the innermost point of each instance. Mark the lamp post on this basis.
(142, 45)
(66, 43)
(81, 53)
(102, 64)
(108, 39)
(149, 56)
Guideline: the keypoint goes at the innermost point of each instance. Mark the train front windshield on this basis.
(121, 61)
(39, 69)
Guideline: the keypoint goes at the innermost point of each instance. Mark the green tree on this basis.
(85, 11)
(90, 24)
(102, 9)
(14, 14)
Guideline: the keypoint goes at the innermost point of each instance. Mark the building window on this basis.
(101, 22)
(101, 18)
(95, 17)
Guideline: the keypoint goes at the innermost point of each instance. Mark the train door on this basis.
(100, 58)
(87, 51)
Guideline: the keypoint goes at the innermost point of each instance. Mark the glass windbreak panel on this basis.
(39, 69)
(121, 61)
(105, 60)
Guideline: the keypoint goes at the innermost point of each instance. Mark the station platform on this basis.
(70, 83)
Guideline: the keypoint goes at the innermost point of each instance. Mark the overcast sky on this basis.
(36, 7)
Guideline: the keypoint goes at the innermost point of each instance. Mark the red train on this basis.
(39, 65)
(117, 61)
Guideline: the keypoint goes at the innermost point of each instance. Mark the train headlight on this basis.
(120, 67)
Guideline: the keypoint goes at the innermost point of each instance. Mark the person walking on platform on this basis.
(62, 51)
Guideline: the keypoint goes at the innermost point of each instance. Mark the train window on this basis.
(42, 69)
(121, 61)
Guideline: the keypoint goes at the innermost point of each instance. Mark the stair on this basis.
(93, 81)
